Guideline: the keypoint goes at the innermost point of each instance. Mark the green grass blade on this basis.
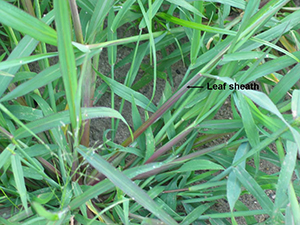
(248, 121)
(294, 205)
(186, 5)
(125, 184)
(233, 184)
(296, 104)
(25, 23)
(199, 164)
(66, 57)
(194, 25)
(44, 213)
(252, 186)
(137, 122)
(6, 153)
(23, 49)
(106, 185)
(194, 215)
(196, 40)
(234, 3)
(19, 179)
(150, 141)
(284, 85)
(25, 112)
(284, 179)
(127, 93)
(125, 7)
(24, 60)
(100, 11)
(63, 118)
(43, 78)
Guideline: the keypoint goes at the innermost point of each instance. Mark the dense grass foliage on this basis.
(169, 170)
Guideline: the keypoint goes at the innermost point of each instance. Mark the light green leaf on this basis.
(45, 213)
(31, 173)
(186, 5)
(127, 93)
(233, 184)
(43, 198)
(125, 7)
(248, 121)
(25, 23)
(5, 154)
(284, 179)
(296, 104)
(23, 49)
(199, 164)
(125, 184)
(67, 58)
(253, 187)
(25, 112)
(285, 84)
(19, 179)
(24, 60)
(63, 118)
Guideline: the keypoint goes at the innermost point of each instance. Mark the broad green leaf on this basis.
(296, 104)
(127, 93)
(111, 35)
(245, 56)
(19, 179)
(153, 10)
(63, 118)
(284, 85)
(48, 75)
(43, 198)
(233, 184)
(125, 184)
(234, 3)
(24, 75)
(196, 39)
(86, 5)
(186, 5)
(253, 187)
(294, 204)
(45, 213)
(134, 151)
(25, 23)
(194, 215)
(31, 173)
(43, 78)
(125, 7)
(5, 154)
(137, 122)
(263, 100)
(248, 121)
(77, 192)
(23, 49)
(199, 164)
(99, 13)
(106, 185)
(25, 112)
(207, 185)
(194, 25)
(67, 58)
(284, 179)
(150, 141)
(24, 60)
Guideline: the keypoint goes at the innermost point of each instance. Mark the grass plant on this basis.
(169, 170)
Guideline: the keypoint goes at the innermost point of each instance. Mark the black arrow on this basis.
(195, 87)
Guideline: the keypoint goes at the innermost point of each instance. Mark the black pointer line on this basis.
(195, 87)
